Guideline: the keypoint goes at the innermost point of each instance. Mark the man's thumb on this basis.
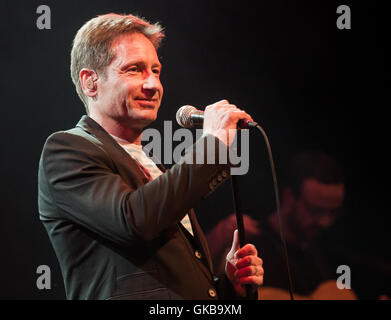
(235, 242)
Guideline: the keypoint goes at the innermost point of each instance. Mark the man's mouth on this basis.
(146, 102)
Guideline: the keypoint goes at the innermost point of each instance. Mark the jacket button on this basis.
(219, 178)
(212, 293)
(198, 254)
(224, 173)
(214, 181)
(211, 186)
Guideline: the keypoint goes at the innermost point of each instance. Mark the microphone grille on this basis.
(183, 116)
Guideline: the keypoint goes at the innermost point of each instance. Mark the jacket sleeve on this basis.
(79, 178)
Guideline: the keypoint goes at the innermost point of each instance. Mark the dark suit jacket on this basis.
(116, 235)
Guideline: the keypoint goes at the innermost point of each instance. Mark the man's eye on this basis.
(132, 69)
(156, 71)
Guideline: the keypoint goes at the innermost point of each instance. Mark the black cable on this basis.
(277, 198)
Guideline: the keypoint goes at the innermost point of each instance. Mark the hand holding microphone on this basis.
(220, 119)
(217, 119)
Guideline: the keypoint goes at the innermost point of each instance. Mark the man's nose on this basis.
(151, 83)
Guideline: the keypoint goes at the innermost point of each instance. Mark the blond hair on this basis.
(92, 43)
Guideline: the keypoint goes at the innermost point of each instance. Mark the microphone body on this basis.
(190, 117)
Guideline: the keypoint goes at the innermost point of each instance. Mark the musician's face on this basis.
(317, 207)
(131, 92)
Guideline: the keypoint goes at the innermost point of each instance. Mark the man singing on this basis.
(123, 227)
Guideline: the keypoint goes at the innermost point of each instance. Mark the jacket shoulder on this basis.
(70, 146)
(75, 135)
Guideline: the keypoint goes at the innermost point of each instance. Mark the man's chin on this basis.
(141, 122)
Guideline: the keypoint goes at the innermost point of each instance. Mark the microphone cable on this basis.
(277, 200)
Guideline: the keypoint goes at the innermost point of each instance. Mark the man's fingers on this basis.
(224, 101)
(224, 104)
(220, 118)
(241, 114)
(249, 261)
(249, 271)
(247, 250)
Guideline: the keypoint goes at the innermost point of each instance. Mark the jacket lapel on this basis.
(114, 150)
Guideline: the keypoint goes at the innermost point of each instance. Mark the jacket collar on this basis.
(92, 127)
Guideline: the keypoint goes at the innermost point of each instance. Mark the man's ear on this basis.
(88, 79)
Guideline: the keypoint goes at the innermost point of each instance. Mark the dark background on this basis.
(309, 84)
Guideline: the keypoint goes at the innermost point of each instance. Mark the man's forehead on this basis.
(134, 46)
(317, 193)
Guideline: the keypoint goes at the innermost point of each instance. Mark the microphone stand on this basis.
(238, 211)
(239, 219)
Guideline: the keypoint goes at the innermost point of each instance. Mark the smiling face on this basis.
(130, 93)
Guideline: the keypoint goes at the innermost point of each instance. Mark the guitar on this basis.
(327, 290)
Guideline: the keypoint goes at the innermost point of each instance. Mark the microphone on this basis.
(189, 117)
